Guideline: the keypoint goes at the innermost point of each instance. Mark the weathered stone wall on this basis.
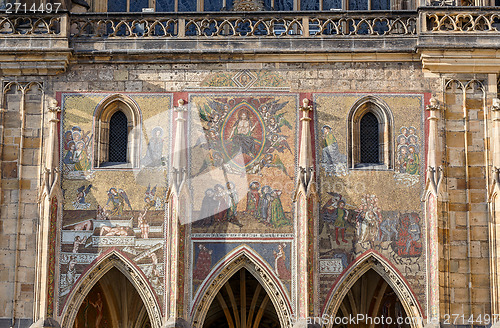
(464, 265)
(20, 171)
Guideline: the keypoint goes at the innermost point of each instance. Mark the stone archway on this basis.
(113, 302)
(243, 303)
(112, 260)
(342, 297)
(242, 257)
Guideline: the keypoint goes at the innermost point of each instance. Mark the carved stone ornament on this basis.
(305, 105)
(248, 5)
(433, 104)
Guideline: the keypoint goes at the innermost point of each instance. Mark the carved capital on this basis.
(181, 106)
(305, 105)
(433, 105)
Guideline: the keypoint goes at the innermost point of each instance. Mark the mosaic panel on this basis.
(113, 207)
(362, 209)
(242, 162)
(207, 253)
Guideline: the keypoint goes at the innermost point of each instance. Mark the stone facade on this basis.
(244, 153)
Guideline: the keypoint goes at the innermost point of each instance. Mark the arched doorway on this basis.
(373, 298)
(113, 302)
(242, 302)
(371, 286)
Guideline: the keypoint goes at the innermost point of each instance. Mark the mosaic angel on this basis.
(117, 199)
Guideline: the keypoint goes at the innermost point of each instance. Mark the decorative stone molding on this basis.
(245, 259)
(374, 261)
(91, 277)
(462, 21)
(230, 25)
(248, 5)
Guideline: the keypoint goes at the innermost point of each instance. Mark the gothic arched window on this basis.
(118, 138)
(368, 139)
(370, 143)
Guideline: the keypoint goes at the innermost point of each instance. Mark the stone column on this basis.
(306, 207)
(177, 199)
(50, 197)
(434, 177)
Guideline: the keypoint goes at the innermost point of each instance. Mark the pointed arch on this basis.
(111, 259)
(376, 261)
(241, 257)
(102, 116)
(385, 118)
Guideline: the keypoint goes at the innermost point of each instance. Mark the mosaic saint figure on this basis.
(335, 217)
(340, 221)
(253, 197)
(401, 140)
(222, 205)
(203, 263)
(155, 148)
(68, 158)
(412, 160)
(264, 203)
(277, 216)
(232, 200)
(81, 158)
(280, 263)
(208, 208)
(68, 137)
(402, 159)
(330, 154)
(241, 134)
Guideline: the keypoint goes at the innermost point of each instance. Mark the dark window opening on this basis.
(369, 139)
(118, 138)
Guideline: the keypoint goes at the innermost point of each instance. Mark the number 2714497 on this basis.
(43, 8)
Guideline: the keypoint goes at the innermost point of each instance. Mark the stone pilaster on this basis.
(177, 200)
(306, 207)
(49, 206)
(434, 177)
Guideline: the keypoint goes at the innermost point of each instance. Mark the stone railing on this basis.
(460, 19)
(258, 24)
(33, 25)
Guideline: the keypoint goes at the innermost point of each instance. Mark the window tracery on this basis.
(370, 135)
(117, 140)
